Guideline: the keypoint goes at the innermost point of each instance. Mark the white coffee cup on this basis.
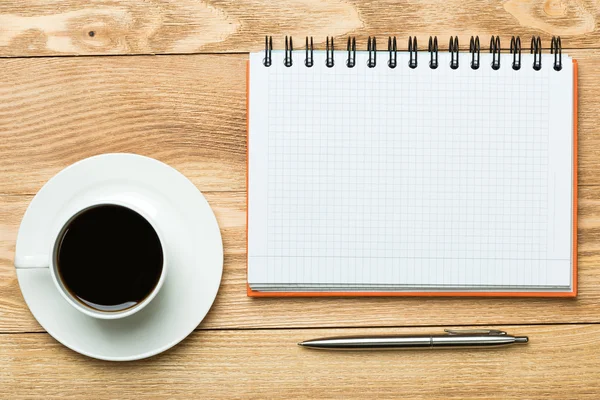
(49, 259)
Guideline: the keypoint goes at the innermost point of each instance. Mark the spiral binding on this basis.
(268, 51)
(515, 47)
(309, 60)
(289, 49)
(495, 50)
(372, 49)
(393, 50)
(351, 61)
(453, 48)
(536, 50)
(329, 62)
(433, 50)
(475, 48)
(556, 49)
(412, 50)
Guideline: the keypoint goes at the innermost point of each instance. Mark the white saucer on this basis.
(192, 239)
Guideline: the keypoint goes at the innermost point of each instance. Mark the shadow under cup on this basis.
(109, 258)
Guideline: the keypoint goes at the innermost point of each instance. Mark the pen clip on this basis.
(491, 332)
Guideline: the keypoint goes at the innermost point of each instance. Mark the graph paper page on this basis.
(409, 179)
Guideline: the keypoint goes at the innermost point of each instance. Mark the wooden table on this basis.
(166, 79)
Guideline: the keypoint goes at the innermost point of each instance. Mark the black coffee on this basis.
(110, 258)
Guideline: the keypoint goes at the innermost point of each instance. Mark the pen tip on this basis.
(301, 344)
(521, 339)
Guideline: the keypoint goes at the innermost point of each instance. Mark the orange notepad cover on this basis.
(573, 293)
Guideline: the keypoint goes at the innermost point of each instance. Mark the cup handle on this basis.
(37, 261)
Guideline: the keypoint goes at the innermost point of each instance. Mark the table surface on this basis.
(166, 79)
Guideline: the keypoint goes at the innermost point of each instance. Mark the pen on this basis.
(471, 338)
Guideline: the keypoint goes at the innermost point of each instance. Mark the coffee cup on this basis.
(106, 258)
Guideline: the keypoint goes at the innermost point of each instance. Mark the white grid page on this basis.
(400, 178)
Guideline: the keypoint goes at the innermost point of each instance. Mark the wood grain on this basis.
(233, 309)
(62, 27)
(188, 111)
(56, 111)
(560, 362)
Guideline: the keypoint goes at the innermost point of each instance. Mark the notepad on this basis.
(411, 181)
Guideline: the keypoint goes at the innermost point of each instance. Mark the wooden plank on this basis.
(560, 362)
(229, 207)
(233, 309)
(41, 27)
(188, 111)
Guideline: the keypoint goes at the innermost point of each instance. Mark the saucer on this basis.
(192, 239)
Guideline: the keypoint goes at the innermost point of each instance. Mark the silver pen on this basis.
(452, 338)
